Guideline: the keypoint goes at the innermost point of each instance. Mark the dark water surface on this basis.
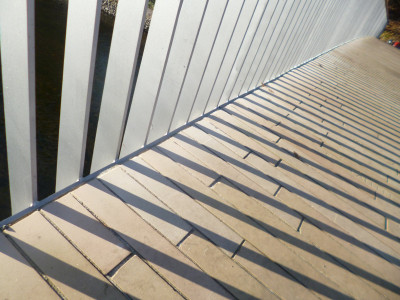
(50, 28)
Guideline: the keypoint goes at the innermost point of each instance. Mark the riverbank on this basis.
(392, 31)
(110, 7)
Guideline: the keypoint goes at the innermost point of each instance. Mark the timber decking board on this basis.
(291, 192)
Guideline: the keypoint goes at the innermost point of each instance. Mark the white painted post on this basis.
(270, 15)
(244, 31)
(79, 61)
(266, 46)
(285, 43)
(179, 61)
(256, 28)
(272, 48)
(17, 40)
(201, 54)
(151, 74)
(125, 46)
(222, 43)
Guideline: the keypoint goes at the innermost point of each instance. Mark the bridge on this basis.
(220, 174)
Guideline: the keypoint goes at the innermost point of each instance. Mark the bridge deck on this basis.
(292, 191)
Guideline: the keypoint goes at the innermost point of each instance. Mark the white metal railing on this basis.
(199, 54)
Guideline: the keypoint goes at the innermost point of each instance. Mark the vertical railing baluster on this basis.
(259, 23)
(270, 16)
(222, 43)
(179, 61)
(287, 41)
(303, 37)
(272, 48)
(243, 31)
(267, 43)
(152, 69)
(17, 40)
(121, 67)
(79, 61)
(201, 54)
(198, 54)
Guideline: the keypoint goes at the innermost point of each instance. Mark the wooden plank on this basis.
(95, 240)
(371, 262)
(121, 68)
(162, 256)
(211, 226)
(293, 239)
(185, 40)
(25, 281)
(271, 274)
(235, 279)
(151, 74)
(139, 281)
(79, 61)
(17, 39)
(59, 261)
(146, 205)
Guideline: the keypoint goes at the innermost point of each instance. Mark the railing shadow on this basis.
(334, 150)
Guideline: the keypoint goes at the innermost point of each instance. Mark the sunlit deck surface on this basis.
(292, 191)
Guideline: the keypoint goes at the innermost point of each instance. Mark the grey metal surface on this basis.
(185, 39)
(254, 31)
(271, 44)
(302, 36)
(242, 31)
(17, 40)
(79, 60)
(222, 44)
(286, 41)
(204, 46)
(270, 15)
(127, 35)
(151, 74)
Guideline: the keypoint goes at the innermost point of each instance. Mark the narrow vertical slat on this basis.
(256, 28)
(322, 29)
(305, 49)
(277, 21)
(305, 32)
(275, 41)
(271, 14)
(79, 61)
(17, 40)
(204, 47)
(369, 14)
(331, 27)
(155, 57)
(222, 44)
(285, 62)
(185, 39)
(242, 31)
(279, 42)
(288, 41)
(125, 46)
